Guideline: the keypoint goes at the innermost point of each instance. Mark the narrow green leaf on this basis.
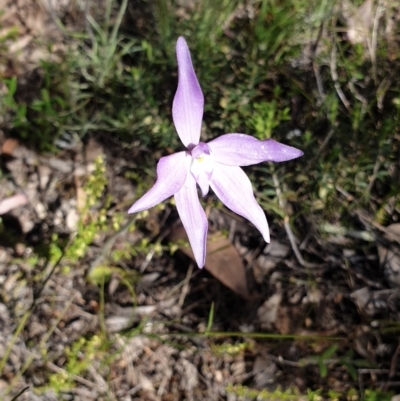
(210, 318)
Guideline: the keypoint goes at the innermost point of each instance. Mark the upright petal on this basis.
(244, 150)
(233, 188)
(193, 219)
(171, 175)
(187, 108)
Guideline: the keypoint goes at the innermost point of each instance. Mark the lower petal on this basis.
(233, 188)
(193, 218)
(171, 175)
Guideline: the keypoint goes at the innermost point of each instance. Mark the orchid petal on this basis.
(244, 150)
(171, 175)
(193, 218)
(188, 104)
(233, 188)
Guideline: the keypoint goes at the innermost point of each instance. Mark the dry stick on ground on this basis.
(324, 144)
(351, 272)
(358, 96)
(372, 372)
(152, 251)
(232, 229)
(147, 260)
(320, 85)
(250, 259)
(372, 44)
(335, 78)
(369, 223)
(321, 93)
(56, 369)
(315, 68)
(322, 96)
(20, 393)
(382, 90)
(374, 176)
(185, 288)
(393, 365)
(286, 223)
(305, 361)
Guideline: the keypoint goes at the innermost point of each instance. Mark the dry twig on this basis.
(286, 222)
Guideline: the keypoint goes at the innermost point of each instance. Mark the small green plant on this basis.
(9, 106)
(246, 393)
(324, 359)
(90, 223)
(38, 122)
(80, 356)
(104, 57)
(231, 349)
(267, 116)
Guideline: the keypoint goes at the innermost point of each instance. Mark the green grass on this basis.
(267, 70)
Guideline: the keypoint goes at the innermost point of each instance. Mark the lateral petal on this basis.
(193, 218)
(172, 171)
(244, 150)
(233, 188)
(188, 104)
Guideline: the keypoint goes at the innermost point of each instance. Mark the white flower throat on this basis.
(202, 166)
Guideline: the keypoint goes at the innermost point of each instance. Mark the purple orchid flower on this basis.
(215, 164)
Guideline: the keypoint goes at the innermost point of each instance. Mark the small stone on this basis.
(273, 253)
(44, 176)
(268, 311)
(72, 220)
(40, 210)
(60, 165)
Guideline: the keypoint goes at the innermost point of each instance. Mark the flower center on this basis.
(202, 166)
(200, 151)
